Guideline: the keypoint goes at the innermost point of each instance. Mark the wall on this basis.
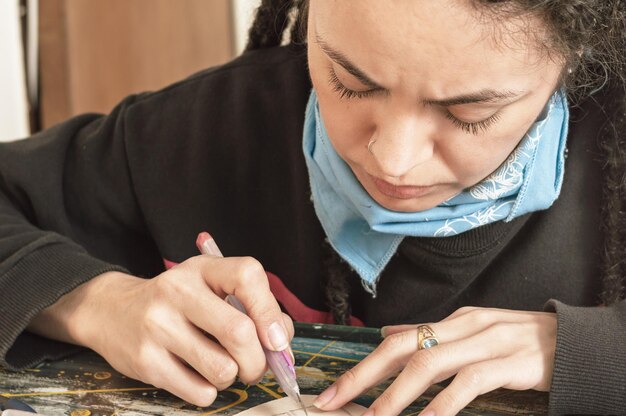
(96, 52)
(13, 101)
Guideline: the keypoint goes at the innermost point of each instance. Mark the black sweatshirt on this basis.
(222, 151)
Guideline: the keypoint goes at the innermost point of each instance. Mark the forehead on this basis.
(428, 38)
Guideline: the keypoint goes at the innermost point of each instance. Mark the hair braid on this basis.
(614, 206)
(270, 21)
(298, 31)
(337, 288)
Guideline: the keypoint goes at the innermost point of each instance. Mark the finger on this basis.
(245, 278)
(430, 366)
(385, 360)
(425, 367)
(385, 331)
(233, 329)
(473, 381)
(170, 374)
(467, 321)
(208, 358)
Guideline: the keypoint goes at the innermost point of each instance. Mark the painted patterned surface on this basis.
(85, 385)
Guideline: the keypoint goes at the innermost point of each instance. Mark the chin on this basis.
(407, 205)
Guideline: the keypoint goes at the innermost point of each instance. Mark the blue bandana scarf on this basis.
(366, 235)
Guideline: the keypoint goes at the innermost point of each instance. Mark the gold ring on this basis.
(426, 337)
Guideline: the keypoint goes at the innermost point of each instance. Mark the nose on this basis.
(402, 142)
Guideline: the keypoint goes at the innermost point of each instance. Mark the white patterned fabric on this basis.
(366, 235)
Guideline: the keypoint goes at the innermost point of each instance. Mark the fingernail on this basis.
(277, 336)
(369, 412)
(293, 357)
(326, 396)
(427, 413)
(383, 331)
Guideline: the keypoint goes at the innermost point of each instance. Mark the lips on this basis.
(400, 191)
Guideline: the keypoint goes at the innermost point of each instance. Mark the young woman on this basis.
(454, 164)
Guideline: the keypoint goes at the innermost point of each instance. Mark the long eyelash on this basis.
(476, 127)
(344, 92)
(472, 128)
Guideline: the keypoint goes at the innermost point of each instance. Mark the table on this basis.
(85, 385)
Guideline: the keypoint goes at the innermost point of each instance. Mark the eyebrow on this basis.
(342, 60)
(482, 96)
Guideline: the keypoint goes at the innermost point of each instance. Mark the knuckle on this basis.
(448, 400)
(219, 368)
(225, 373)
(463, 310)
(194, 263)
(471, 378)
(389, 343)
(239, 329)
(480, 316)
(385, 401)
(503, 332)
(350, 377)
(143, 366)
(153, 320)
(251, 272)
(251, 376)
(397, 340)
(192, 271)
(423, 362)
(168, 287)
(140, 368)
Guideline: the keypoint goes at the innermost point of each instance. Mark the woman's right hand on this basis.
(175, 331)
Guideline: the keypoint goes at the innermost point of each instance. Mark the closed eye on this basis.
(475, 127)
(345, 92)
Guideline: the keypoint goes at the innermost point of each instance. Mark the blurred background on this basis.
(59, 58)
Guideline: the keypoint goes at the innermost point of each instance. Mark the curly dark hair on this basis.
(590, 37)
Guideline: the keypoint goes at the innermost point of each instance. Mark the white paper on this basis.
(288, 407)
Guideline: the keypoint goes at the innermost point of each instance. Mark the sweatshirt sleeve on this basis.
(68, 213)
(590, 368)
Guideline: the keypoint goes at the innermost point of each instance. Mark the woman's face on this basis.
(445, 96)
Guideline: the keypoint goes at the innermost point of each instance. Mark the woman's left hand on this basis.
(485, 348)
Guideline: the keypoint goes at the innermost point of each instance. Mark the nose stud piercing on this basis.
(369, 146)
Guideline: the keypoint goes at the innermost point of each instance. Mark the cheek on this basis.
(472, 158)
(488, 153)
(349, 125)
